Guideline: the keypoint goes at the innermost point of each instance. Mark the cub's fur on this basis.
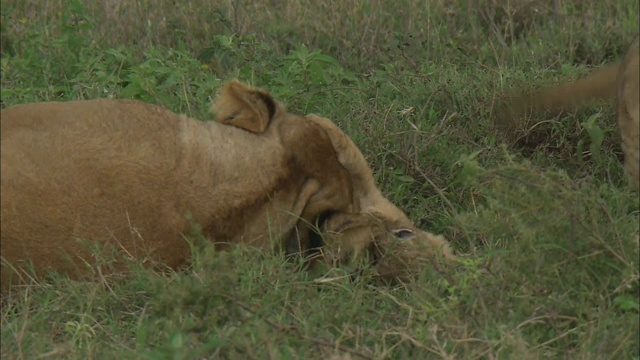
(619, 80)
(399, 253)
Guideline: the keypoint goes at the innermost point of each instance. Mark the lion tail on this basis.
(600, 84)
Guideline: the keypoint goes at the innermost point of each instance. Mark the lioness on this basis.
(380, 229)
(137, 177)
(620, 80)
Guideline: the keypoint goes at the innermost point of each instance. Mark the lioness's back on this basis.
(68, 134)
(121, 173)
(67, 170)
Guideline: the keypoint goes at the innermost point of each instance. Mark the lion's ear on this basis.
(244, 107)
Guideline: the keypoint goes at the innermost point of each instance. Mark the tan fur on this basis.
(372, 202)
(380, 230)
(135, 176)
(616, 80)
(628, 111)
(398, 253)
(244, 107)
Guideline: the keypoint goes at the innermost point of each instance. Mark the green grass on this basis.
(547, 227)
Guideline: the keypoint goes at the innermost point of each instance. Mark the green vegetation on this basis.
(547, 225)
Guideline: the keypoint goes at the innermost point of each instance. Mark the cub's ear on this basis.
(244, 107)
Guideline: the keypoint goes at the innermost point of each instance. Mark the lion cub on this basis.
(620, 80)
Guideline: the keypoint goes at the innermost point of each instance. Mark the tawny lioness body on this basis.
(620, 80)
(137, 177)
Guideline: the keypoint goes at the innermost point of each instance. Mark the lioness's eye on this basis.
(403, 234)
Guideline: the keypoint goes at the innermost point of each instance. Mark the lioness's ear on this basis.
(244, 107)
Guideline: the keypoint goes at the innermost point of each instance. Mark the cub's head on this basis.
(398, 251)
